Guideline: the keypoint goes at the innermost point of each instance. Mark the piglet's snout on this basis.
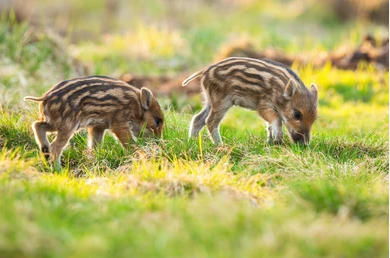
(301, 138)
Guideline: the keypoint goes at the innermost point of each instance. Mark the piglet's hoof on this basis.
(274, 142)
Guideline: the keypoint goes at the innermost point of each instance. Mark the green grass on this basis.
(242, 198)
(180, 197)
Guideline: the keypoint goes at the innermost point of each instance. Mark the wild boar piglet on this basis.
(272, 89)
(96, 103)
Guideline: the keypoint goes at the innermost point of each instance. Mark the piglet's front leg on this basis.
(124, 134)
(274, 124)
(275, 132)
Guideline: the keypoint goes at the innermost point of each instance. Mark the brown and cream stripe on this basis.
(90, 95)
(266, 74)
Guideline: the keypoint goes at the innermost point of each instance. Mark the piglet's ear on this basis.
(146, 98)
(289, 90)
(314, 90)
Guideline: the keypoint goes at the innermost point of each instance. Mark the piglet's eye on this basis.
(158, 121)
(297, 115)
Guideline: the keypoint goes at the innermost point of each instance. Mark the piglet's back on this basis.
(252, 74)
(88, 96)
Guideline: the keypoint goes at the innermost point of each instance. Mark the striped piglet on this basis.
(270, 88)
(97, 103)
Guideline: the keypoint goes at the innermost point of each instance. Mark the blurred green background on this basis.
(175, 34)
(173, 38)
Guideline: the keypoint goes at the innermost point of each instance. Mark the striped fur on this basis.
(270, 88)
(96, 103)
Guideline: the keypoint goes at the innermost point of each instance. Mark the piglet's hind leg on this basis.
(199, 120)
(213, 120)
(40, 129)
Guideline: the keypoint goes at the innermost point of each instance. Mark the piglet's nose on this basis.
(303, 139)
(157, 133)
(307, 139)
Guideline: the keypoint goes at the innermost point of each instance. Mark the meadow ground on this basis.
(181, 197)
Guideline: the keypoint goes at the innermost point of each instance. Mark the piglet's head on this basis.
(152, 119)
(300, 111)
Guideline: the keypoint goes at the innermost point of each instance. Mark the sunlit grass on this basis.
(366, 84)
(146, 211)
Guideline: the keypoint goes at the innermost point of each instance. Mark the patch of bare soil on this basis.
(375, 52)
